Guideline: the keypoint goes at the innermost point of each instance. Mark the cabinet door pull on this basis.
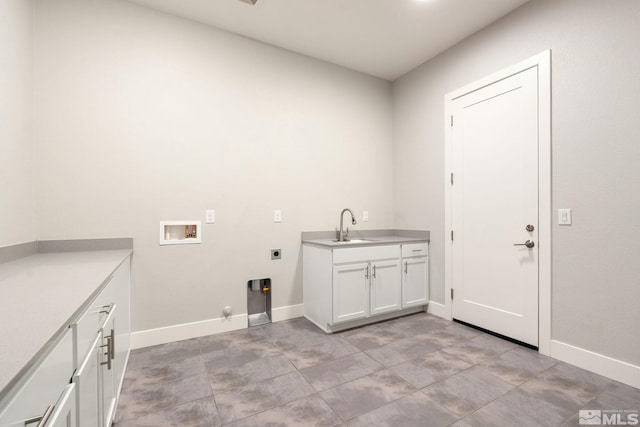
(107, 308)
(366, 272)
(41, 420)
(374, 271)
(113, 344)
(406, 267)
(109, 346)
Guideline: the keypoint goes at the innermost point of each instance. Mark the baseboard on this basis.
(185, 331)
(438, 309)
(202, 328)
(600, 364)
(287, 312)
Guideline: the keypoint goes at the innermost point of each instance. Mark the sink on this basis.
(355, 241)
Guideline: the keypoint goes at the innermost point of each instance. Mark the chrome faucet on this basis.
(342, 235)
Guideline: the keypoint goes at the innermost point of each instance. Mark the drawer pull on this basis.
(41, 420)
(107, 308)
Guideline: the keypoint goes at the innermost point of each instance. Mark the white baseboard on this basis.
(202, 328)
(600, 364)
(185, 331)
(287, 312)
(438, 309)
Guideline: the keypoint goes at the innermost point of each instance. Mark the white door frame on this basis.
(543, 63)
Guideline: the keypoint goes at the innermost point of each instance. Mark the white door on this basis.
(86, 380)
(385, 286)
(107, 377)
(494, 206)
(415, 288)
(350, 292)
(64, 414)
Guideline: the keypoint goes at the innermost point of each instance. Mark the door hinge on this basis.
(452, 235)
(452, 294)
(452, 120)
(451, 178)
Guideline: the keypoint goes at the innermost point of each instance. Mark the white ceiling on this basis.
(383, 38)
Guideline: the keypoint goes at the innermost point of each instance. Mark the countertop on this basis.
(373, 238)
(40, 295)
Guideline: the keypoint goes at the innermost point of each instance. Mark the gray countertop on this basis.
(40, 295)
(365, 238)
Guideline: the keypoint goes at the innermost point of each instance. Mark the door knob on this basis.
(528, 243)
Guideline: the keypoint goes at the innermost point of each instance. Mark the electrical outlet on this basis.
(277, 215)
(210, 216)
(276, 253)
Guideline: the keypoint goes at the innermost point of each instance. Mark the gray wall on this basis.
(595, 67)
(16, 131)
(143, 117)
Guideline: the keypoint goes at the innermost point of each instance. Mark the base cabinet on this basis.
(106, 325)
(347, 287)
(78, 382)
(44, 391)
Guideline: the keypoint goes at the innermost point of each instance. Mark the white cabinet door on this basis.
(415, 283)
(385, 286)
(122, 282)
(64, 414)
(107, 363)
(87, 385)
(42, 389)
(350, 292)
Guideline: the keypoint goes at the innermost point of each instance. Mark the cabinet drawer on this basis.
(415, 249)
(365, 253)
(86, 327)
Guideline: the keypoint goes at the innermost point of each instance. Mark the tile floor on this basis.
(418, 370)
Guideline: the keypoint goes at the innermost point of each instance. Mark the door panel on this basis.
(350, 292)
(385, 286)
(87, 383)
(415, 288)
(494, 197)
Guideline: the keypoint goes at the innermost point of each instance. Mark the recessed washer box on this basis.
(180, 232)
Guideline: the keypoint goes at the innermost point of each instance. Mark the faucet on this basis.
(342, 235)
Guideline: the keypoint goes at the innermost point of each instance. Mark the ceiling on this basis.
(383, 38)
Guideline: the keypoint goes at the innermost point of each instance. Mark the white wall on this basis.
(143, 117)
(16, 142)
(595, 67)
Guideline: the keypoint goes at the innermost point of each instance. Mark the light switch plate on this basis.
(210, 216)
(365, 216)
(277, 215)
(564, 216)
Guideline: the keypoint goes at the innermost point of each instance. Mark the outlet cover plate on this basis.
(210, 216)
(564, 216)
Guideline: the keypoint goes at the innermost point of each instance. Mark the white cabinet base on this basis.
(345, 288)
(361, 322)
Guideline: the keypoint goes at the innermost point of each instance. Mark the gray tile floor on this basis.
(418, 370)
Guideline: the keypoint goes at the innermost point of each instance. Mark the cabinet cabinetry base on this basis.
(369, 320)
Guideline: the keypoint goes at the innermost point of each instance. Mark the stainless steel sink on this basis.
(354, 241)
